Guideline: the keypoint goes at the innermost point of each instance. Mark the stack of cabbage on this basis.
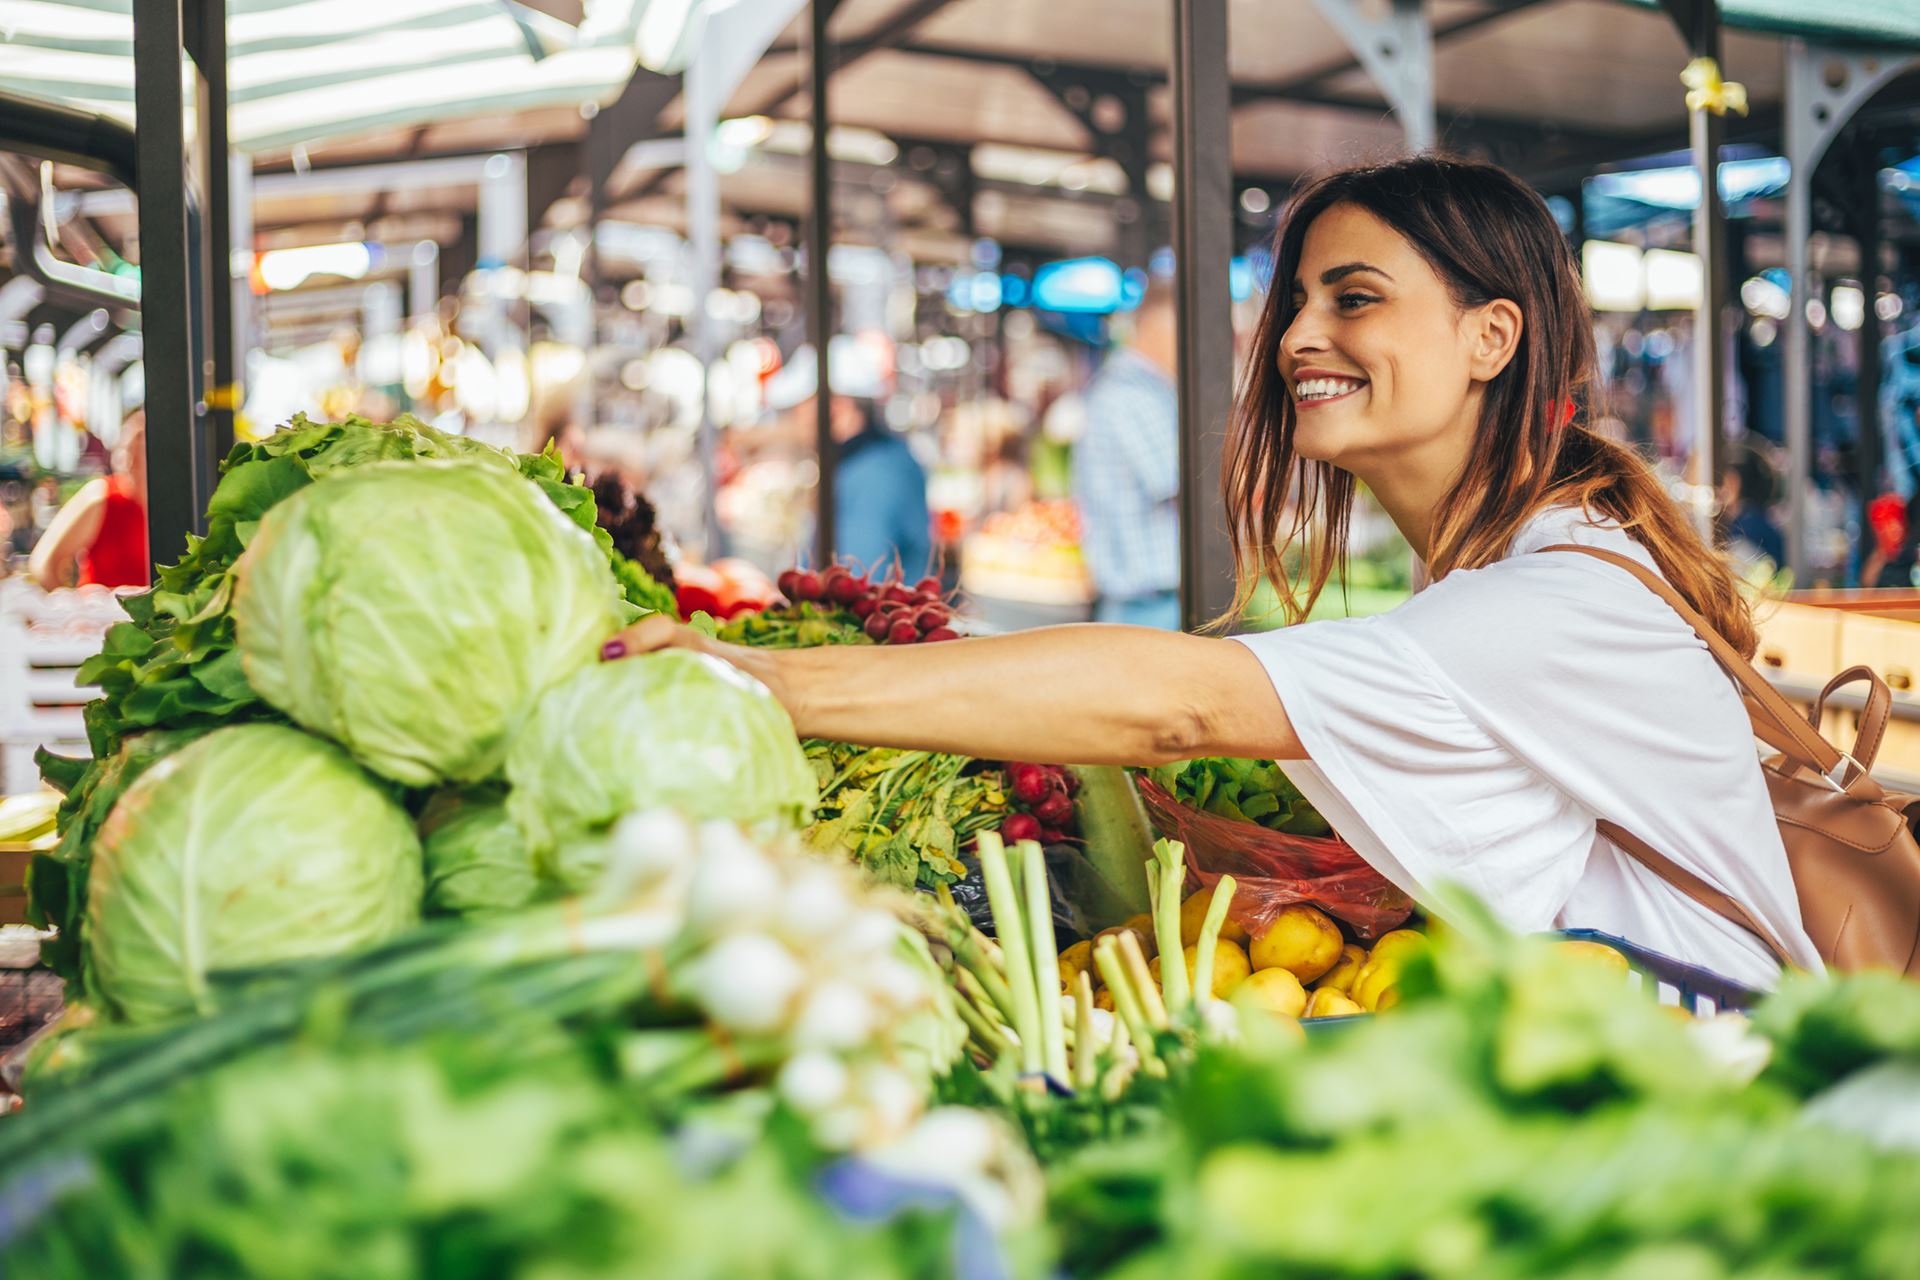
(430, 624)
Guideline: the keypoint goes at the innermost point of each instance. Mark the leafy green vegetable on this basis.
(1243, 790)
(903, 815)
(420, 654)
(675, 730)
(477, 859)
(57, 881)
(454, 1157)
(254, 845)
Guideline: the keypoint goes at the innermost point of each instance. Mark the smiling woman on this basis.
(1427, 338)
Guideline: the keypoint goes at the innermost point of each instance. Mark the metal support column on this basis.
(819, 286)
(1867, 232)
(168, 107)
(1203, 246)
(1825, 86)
(206, 32)
(1397, 52)
(1699, 24)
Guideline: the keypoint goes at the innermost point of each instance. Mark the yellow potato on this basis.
(1595, 953)
(1103, 999)
(1328, 1003)
(1375, 978)
(1229, 966)
(1193, 914)
(1340, 977)
(1302, 940)
(1141, 926)
(1274, 990)
(1398, 945)
(1074, 961)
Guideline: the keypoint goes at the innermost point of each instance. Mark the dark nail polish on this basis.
(613, 649)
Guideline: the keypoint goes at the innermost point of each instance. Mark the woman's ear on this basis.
(1494, 337)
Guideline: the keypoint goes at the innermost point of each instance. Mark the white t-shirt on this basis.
(1476, 733)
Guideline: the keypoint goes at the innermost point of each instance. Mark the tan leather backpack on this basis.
(1850, 844)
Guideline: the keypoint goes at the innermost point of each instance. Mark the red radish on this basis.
(1017, 770)
(1048, 835)
(789, 583)
(845, 589)
(899, 595)
(928, 586)
(807, 586)
(1020, 826)
(1072, 780)
(877, 626)
(1055, 810)
(862, 607)
(931, 617)
(1032, 788)
(939, 633)
(903, 633)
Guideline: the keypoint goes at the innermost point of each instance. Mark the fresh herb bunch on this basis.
(905, 816)
(1243, 790)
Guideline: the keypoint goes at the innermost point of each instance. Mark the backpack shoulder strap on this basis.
(1774, 719)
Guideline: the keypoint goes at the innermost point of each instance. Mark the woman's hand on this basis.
(657, 631)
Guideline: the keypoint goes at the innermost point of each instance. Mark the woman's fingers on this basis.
(653, 632)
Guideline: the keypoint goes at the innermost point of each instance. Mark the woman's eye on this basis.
(1354, 301)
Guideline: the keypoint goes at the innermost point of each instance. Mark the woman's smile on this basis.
(1315, 387)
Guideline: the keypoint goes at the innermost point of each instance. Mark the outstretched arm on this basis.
(1078, 694)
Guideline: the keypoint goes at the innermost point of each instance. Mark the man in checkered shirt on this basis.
(1126, 474)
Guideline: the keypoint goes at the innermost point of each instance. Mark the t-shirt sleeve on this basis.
(1419, 789)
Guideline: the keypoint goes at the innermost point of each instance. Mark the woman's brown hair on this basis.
(1487, 235)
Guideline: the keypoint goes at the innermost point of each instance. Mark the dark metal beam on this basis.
(1699, 23)
(207, 43)
(1202, 237)
(819, 284)
(178, 468)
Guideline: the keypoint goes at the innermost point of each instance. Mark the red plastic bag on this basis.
(1272, 869)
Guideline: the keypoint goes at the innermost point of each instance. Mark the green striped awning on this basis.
(304, 70)
(1844, 22)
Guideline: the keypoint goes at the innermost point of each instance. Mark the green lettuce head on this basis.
(255, 845)
(673, 730)
(413, 611)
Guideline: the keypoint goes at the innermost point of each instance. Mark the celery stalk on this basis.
(1046, 959)
(1085, 1066)
(1148, 991)
(1171, 855)
(1111, 961)
(1209, 939)
(1019, 962)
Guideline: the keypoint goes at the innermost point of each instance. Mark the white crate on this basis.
(44, 637)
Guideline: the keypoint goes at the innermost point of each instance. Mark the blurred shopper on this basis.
(1126, 474)
(100, 536)
(879, 489)
(1749, 486)
(1894, 561)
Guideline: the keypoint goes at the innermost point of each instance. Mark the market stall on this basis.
(406, 932)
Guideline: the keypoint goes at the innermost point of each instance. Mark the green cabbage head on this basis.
(254, 845)
(413, 612)
(477, 860)
(674, 730)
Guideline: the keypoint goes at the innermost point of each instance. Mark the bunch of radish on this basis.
(1042, 795)
(889, 611)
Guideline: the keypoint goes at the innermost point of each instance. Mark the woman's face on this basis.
(1380, 362)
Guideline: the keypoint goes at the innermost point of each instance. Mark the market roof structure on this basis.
(310, 70)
